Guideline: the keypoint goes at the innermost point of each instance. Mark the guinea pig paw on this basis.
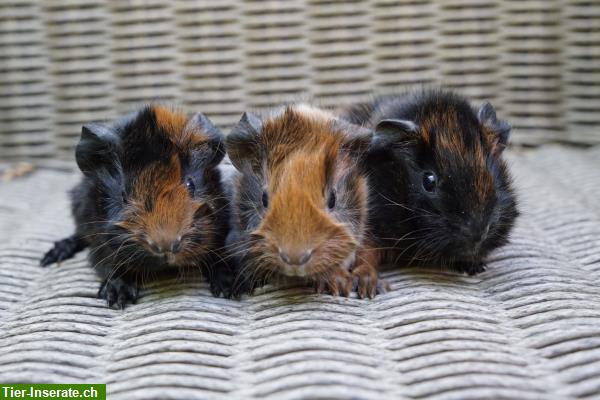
(216, 289)
(222, 286)
(368, 285)
(239, 289)
(339, 284)
(62, 250)
(117, 292)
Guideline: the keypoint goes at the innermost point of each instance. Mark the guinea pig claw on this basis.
(343, 284)
(215, 289)
(118, 292)
(363, 287)
(338, 285)
(367, 284)
(63, 250)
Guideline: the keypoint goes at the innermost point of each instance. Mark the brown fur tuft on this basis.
(301, 161)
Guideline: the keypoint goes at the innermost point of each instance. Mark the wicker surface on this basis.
(65, 62)
(528, 328)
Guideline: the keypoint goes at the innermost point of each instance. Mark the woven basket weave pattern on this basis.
(527, 328)
(66, 62)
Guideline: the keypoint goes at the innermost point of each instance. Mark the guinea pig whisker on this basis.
(258, 267)
(97, 234)
(399, 256)
(421, 249)
(407, 219)
(394, 203)
(137, 252)
(102, 260)
(100, 221)
(234, 254)
(121, 246)
(107, 243)
(239, 249)
(414, 210)
(245, 276)
(208, 268)
(125, 261)
(406, 235)
(238, 244)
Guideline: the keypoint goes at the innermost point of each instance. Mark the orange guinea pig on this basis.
(300, 202)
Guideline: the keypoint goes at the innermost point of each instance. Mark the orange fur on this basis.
(303, 159)
(174, 124)
(169, 121)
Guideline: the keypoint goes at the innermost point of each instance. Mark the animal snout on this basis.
(163, 246)
(295, 258)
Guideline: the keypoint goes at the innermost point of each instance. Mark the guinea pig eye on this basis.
(429, 181)
(265, 199)
(190, 186)
(331, 200)
(124, 197)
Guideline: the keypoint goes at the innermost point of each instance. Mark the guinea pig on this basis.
(151, 199)
(300, 202)
(442, 193)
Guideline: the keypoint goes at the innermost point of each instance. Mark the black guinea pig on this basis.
(441, 192)
(151, 199)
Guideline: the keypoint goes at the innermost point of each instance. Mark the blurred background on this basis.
(66, 62)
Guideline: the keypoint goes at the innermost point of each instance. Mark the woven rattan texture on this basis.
(528, 328)
(66, 62)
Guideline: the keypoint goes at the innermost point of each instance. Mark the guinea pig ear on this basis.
(241, 142)
(389, 132)
(96, 148)
(357, 141)
(499, 129)
(392, 131)
(216, 140)
(396, 130)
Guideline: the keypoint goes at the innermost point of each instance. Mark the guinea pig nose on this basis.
(296, 259)
(285, 257)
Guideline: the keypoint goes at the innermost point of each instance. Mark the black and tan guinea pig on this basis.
(442, 193)
(300, 202)
(151, 199)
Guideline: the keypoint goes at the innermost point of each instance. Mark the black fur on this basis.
(445, 228)
(111, 158)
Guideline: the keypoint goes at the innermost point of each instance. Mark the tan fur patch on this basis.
(168, 120)
(303, 148)
(175, 125)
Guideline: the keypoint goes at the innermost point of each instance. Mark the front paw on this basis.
(117, 291)
(336, 284)
(221, 283)
(470, 268)
(62, 250)
(367, 284)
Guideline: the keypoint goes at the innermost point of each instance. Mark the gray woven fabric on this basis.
(528, 328)
(67, 62)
